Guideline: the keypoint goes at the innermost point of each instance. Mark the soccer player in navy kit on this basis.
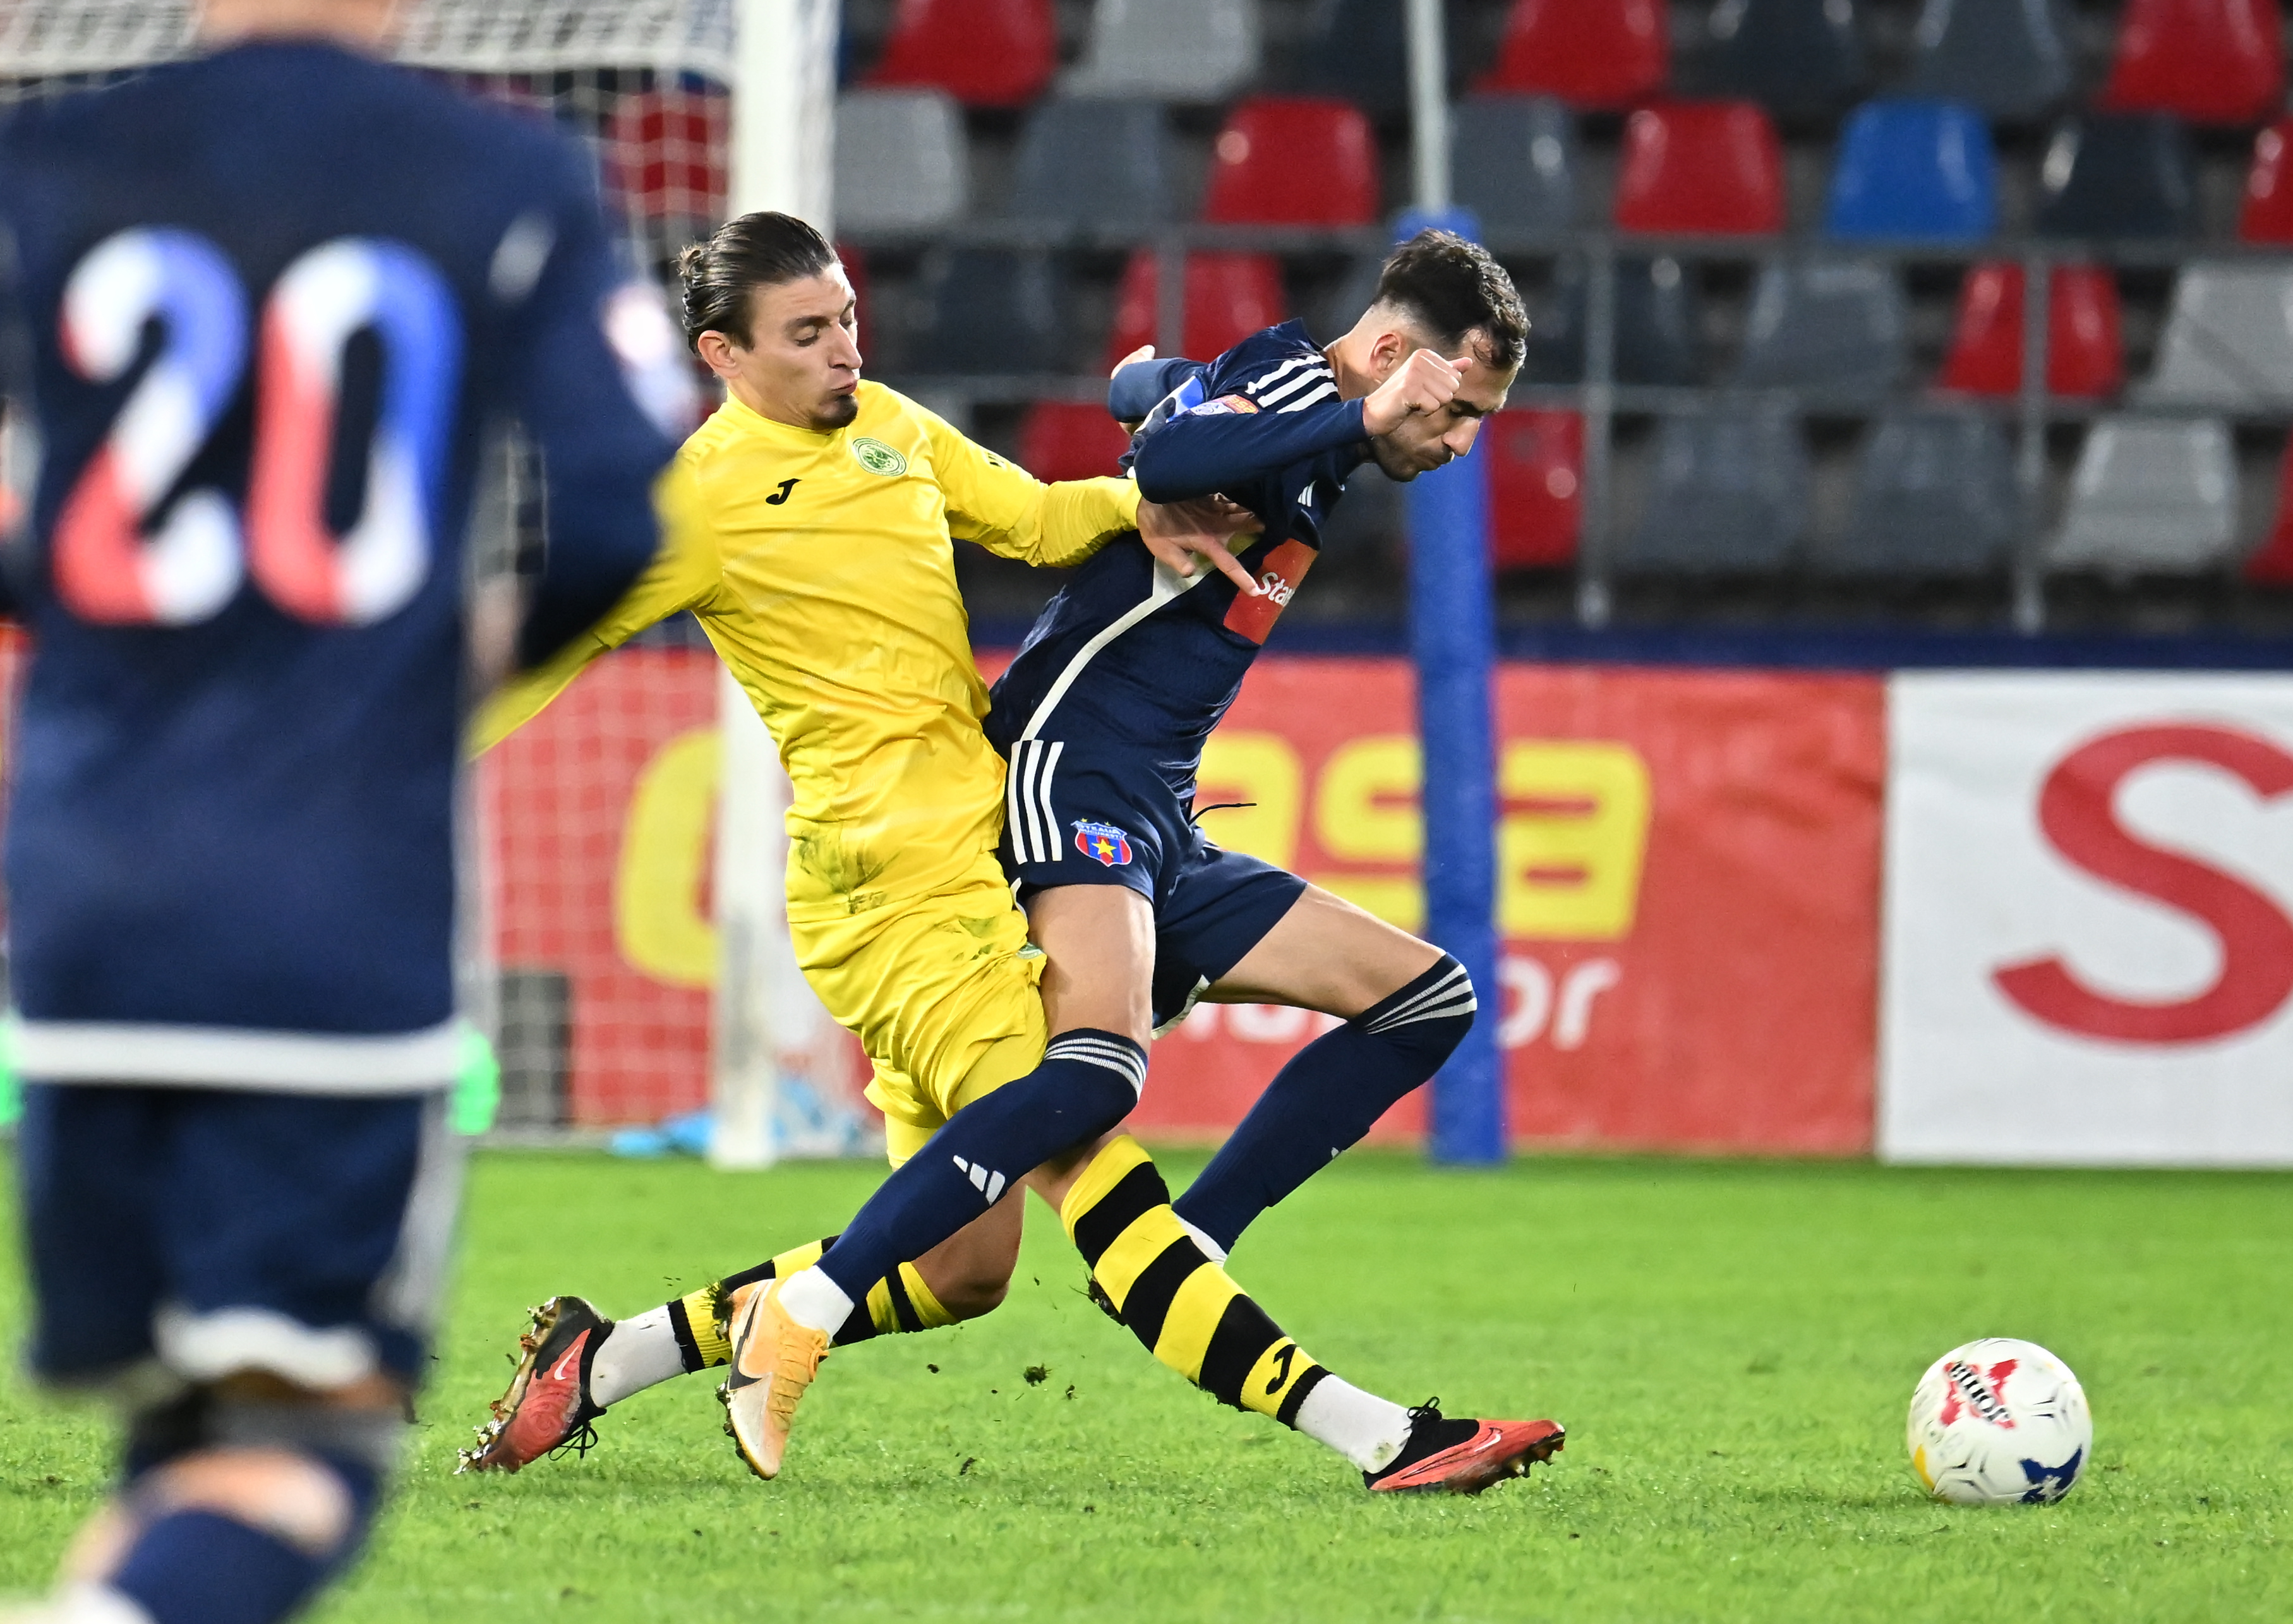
(262, 306)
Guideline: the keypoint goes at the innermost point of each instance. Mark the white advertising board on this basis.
(2088, 919)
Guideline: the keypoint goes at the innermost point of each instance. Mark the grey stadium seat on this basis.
(1833, 326)
(1516, 165)
(1091, 164)
(2154, 494)
(1173, 50)
(2228, 342)
(2006, 59)
(1658, 325)
(987, 311)
(902, 163)
(1728, 495)
(1935, 497)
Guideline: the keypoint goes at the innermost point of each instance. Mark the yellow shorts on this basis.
(941, 991)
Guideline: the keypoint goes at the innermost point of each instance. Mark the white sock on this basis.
(1210, 1248)
(641, 1352)
(85, 1603)
(1366, 1429)
(810, 1297)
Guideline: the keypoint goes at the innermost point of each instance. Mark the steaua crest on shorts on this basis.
(1103, 841)
(877, 458)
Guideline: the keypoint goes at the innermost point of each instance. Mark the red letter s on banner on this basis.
(2256, 940)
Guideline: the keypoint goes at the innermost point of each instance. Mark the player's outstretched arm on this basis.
(1012, 513)
(1225, 442)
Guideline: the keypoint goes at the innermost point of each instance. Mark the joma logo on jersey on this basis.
(1103, 843)
(877, 458)
(1980, 1390)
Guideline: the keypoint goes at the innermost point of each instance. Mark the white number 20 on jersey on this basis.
(109, 567)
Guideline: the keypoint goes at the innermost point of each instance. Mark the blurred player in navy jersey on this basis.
(262, 307)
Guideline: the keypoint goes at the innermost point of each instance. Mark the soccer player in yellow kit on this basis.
(808, 525)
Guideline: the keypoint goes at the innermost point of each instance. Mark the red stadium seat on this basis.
(1696, 167)
(2273, 564)
(1293, 161)
(2209, 61)
(1229, 297)
(2085, 355)
(664, 153)
(983, 53)
(2267, 214)
(1611, 54)
(1536, 460)
(1070, 440)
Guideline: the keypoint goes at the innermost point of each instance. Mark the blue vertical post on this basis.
(1453, 642)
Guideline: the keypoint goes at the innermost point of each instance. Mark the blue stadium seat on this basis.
(2120, 174)
(1935, 497)
(1517, 164)
(1658, 323)
(987, 311)
(1835, 327)
(1794, 56)
(2006, 59)
(1091, 165)
(1914, 169)
(1727, 494)
(2150, 494)
(902, 163)
(1196, 50)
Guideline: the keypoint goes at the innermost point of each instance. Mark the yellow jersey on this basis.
(820, 566)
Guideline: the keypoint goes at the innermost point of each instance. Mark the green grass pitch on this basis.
(1732, 1346)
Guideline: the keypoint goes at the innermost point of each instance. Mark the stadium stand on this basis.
(1702, 168)
(1349, 51)
(2126, 175)
(665, 153)
(987, 311)
(1070, 440)
(2228, 343)
(1536, 498)
(1658, 338)
(1914, 170)
(2150, 494)
(1293, 161)
(2009, 60)
(1934, 496)
(902, 162)
(2266, 214)
(1197, 51)
(983, 53)
(1833, 327)
(1522, 181)
(1798, 57)
(1601, 53)
(2209, 61)
(1228, 296)
(2085, 351)
(2270, 564)
(1728, 492)
(1093, 166)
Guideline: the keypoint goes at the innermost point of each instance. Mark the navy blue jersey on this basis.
(1130, 653)
(261, 308)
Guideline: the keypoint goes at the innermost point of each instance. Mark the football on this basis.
(1999, 1422)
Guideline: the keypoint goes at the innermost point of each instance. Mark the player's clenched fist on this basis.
(1426, 382)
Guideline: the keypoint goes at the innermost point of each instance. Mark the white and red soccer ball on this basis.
(1998, 1422)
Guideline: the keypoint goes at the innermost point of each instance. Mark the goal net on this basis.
(631, 959)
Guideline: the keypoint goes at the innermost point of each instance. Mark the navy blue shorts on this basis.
(1080, 813)
(215, 1230)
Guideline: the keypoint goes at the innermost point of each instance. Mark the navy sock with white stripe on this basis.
(1088, 1084)
(1329, 1095)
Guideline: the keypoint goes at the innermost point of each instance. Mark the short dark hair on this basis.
(715, 278)
(1448, 286)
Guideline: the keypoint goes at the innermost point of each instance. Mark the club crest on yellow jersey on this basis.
(877, 458)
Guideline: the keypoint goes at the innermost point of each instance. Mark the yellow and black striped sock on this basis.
(701, 1320)
(1175, 1300)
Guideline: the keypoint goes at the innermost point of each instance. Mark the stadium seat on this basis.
(1536, 464)
(1914, 169)
(2266, 215)
(2154, 494)
(1519, 172)
(1701, 167)
(2124, 174)
(1229, 297)
(1292, 160)
(1658, 326)
(2228, 340)
(855, 272)
(1795, 56)
(987, 311)
(1351, 49)
(2270, 564)
(2208, 61)
(1728, 494)
(2086, 356)
(1603, 54)
(664, 153)
(1934, 496)
(2006, 59)
(1070, 440)
(983, 53)
(1093, 164)
(1195, 50)
(1834, 326)
(900, 161)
